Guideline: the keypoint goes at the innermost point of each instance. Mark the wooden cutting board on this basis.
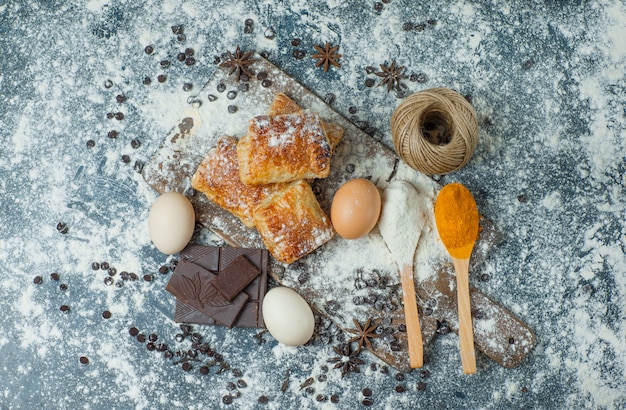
(344, 280)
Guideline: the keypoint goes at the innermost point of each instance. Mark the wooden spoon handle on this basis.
(466, 331)
(413, 330)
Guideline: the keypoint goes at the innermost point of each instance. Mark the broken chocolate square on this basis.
(191, 284)
(235, 277)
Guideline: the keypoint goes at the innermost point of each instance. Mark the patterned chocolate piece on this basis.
(191, 284)
(207, 257)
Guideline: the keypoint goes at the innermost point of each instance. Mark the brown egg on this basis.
(355, 209)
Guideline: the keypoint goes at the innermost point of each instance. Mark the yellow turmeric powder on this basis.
(456, 216)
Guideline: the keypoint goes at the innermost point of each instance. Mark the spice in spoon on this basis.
(457, 220)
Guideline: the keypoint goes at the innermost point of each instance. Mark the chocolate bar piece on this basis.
(235, 277)
(191, 284)
(251, 314)
(207, 257)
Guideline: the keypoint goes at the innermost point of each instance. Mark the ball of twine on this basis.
(435, 131)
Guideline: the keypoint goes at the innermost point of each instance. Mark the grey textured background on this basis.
(549, 76)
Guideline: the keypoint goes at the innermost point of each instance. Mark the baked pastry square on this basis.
(282, 104)
(284, 148)
(291, 223)
(217, 177)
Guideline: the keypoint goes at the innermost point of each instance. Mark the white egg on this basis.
(288, 317)
(171, 222)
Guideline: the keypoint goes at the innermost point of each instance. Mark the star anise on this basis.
(364, 333)
(391, 76)
(327, 56)
(239, 62)
(346, 359)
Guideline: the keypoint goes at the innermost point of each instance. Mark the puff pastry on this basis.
(282, 104)
(284, 148)
(291, 222)
(217, 177)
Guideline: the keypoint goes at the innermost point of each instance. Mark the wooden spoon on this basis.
(460, 222)
(401, 221)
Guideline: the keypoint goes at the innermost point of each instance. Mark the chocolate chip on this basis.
(181, 57)
(38, 280)
(263, 399)
(186, 366)
(309, 390)
(147, 277)
(125, 159)
(84, 360)
(190, 61)
(243, 87)
(400, 389)
(112, 271)
(64, 308)
(424, 374)
(133, 276)
(108, 281)
(367, 402)
(511, 341)
(419, 78)
(120, 98)
(242, 383)
(179, 337)
(54, 276)
(153, 337)
(367, 392)
(231, 95)
(211, 97)
(133, 331)
(407, 26)
(266, 83)
(135, 144)
(298, 54)
(432, 22)
(469, 98)
(204, 370)
(369, 82)
(181, 37)
(400, 377)
(149, 50)
(62, 228)
(269, 33)
(106, 314)
(119, 116)
(110, 115)
(168, 354)
(402, 328)
(141, 338)
(221, 87)
(113, 134)
(428, 311)
(232, 109)
(395, 346)
(187, 87)
(63, 286)
(262, 75)
(295, 42)
(522, 198)
(421, 386)
(91, 143)
(189, 51)
(378, 6)
(321, 398)
(329, 98)
(138, 167)
(108, 84)
(151, 346)
(162, 78)
(485, 277)
(147, 80)
(178, 29)
(227, 399)
(248, 29)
